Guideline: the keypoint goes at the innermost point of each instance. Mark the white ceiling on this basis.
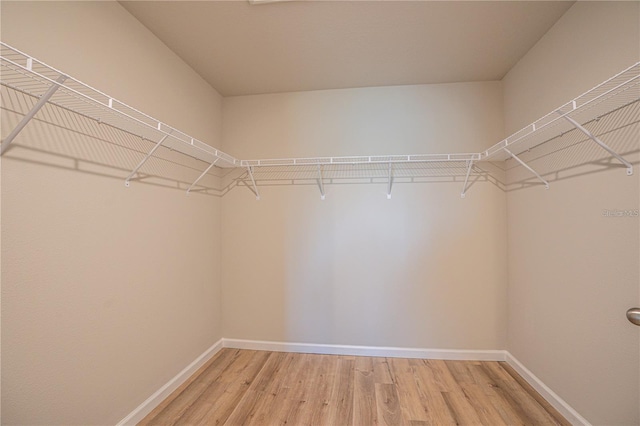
(243, 49)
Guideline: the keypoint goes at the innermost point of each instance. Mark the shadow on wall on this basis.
(60, 138)
(573, 154)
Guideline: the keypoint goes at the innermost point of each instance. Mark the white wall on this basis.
(573, 272)
(107, 292)
(424, 269)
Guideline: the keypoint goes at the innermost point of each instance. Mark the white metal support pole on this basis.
(202, 175)
(546, 184)
(253, 182)
(602, 144)
(390, 183)
(41, 102)
(320, 183)
(466, 179)
(144, 160)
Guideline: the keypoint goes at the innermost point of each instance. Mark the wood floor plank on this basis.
(461, 409)
(274, 393)
(381, 370)
(460, 371)
(482, 405)
(430, 394)
(523, 407)
(235, 392)
(388, 405)
(364, 409)
(247, 407)
(214, 395)
(321, 402)
(343, 393)
(243, 387)
(185, 396)
(408, 393)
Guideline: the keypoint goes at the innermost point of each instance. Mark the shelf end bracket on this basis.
(466, 179)
(526, 166)
(202, 175)
(599, 142)
(25, 120)
(320, 183)
(144, 160)
(253, 182)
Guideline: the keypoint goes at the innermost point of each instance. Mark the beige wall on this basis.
(572, 272)
(107, 292)
(424, 269)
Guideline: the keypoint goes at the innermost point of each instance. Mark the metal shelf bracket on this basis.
(25, 120)
(144, 160)
(320, 183)
(390, 182)
(599, 142)
(253, 182)
(466, 179)
(202, 175)
(546, 184)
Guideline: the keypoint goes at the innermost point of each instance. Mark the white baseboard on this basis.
(154, 400)
(379, 351)
(552, 398)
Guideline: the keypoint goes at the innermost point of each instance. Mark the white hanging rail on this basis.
(617, 92)
(365, 159)
(26, 74)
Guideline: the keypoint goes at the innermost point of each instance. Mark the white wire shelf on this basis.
(28, 75)
(617, 92)
(25, 74)
(362, 160)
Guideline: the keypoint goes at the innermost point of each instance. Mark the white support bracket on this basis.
(25, 120)
(202, 175)
(599, 142)
(546, 184)
(253, 182)
(144, 160)
(466, 179)
(320, 183)
(390, 182)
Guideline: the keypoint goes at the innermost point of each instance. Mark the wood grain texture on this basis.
(243, 387)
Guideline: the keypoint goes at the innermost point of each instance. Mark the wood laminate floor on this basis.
(243, 387)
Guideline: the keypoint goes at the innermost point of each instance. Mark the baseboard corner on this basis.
(154, 400)
(550, 396)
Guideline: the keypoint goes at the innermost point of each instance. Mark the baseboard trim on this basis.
(154, 400)
(552, 398)
(378, 351)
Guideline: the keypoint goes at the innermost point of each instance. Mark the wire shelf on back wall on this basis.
(27, 75)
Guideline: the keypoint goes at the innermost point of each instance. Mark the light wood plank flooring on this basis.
(242, 387)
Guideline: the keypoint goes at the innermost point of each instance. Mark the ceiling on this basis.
(242, 49)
